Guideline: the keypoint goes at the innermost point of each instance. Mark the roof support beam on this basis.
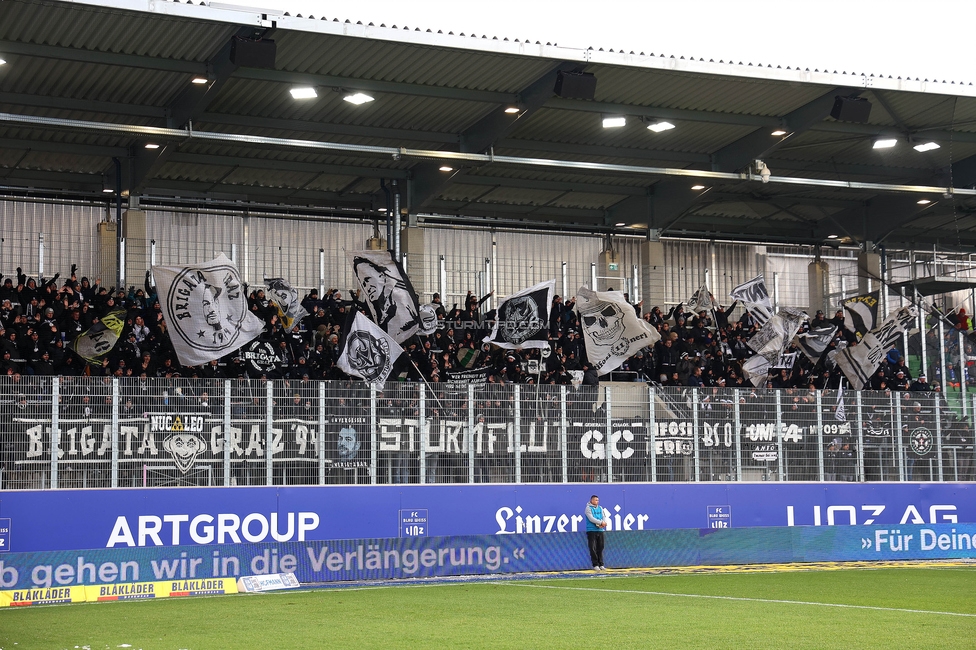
(421, 90)
(428, 181)
(70, 104)
(761, 143)
(192, 102)
(103, 58)
(673, 197)
(286, 165)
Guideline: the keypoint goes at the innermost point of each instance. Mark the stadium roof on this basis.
(90, 81)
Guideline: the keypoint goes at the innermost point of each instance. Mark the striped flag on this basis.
(858, 362)
(755, 299)
(861, 313)
(840, 411)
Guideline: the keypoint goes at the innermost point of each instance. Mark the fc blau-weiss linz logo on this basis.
(184, 442)
(209, 307)
(368, 354)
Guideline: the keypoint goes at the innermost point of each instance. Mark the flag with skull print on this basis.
(367, 351)
(522, 319)
(612, 332)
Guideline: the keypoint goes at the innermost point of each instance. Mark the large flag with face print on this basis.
(859, 362)
(612, 332)
(388, 292)
(522, 319)
(205, 309)
(285, 298)
(755, 299)
(367, 351)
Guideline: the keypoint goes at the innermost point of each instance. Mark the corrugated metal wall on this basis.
(70, 237)
(280, 245)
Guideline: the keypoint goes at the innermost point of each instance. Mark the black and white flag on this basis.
(756, 369)
(285, 299)
(612, 332)
(859, 362)
(522, 319)
(367, 351)
(389, 294)
(787, 361)
(840, 411)
(702, 300)
(771, 340)
(861, 313)
(755, 299)
(205, 310)
(813, 342)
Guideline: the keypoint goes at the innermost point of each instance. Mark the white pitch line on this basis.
(754, 600)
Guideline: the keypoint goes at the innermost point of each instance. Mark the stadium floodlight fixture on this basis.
(620, 224)
(446, 168)
(885, 143)
(779, 132)
(614, 121)
(923, 201)
(926, 146)
(511, 110)
(152, 145)
(303, 92)
(658, 127)
(831, 236)
(199, 80)
(358, 98)
(2, 61)
(697, 187)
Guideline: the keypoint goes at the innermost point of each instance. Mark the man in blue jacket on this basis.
(595, 526)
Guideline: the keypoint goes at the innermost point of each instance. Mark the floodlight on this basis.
(358, 98)
(303, 92)
(614, 121)
(657, 127)
(926, 146)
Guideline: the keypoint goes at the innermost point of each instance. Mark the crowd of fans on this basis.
(40, 320)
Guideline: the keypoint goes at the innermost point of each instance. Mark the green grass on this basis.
(604, 612)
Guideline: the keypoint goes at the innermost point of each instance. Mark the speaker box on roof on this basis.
(851, 109)
(575, 85)
(249, 53)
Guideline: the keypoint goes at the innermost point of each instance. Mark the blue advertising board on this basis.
(61, 520)
(413, 557)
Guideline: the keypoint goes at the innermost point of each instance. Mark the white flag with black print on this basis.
(814, 341)
(389, 294)
(702, 300)
(285, 299)
(612, 332)
(859, 362)
(861, 313)
(205, 308)
(522, 319)
(756, 369)
(755, 299)
(771, 340)
(367, 351)
(840, 411)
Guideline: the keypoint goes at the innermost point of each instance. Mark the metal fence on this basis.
(109, 432)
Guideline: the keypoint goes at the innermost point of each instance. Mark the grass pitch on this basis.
(931, 606)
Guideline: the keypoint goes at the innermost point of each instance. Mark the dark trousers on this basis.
(595, 540)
